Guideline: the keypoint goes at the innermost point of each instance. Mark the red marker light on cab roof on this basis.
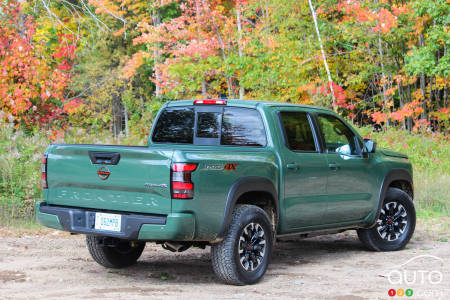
(210, 101)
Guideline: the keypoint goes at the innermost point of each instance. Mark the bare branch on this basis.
(55, 16)
(97, 20)
(115, 16)
(330, 81)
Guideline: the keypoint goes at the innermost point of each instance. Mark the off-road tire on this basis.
(372, 239)
(226, 256)
(122, 255)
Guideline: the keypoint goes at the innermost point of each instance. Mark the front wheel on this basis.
(395, 225)
(244, 254)
(112, 252)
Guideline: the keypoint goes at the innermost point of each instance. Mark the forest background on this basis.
(97, 71)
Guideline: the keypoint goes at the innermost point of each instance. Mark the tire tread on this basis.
(104, 256)
(222, 254)
(369, 237)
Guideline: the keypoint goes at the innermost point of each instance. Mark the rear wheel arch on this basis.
(247, 243)
(254, 190)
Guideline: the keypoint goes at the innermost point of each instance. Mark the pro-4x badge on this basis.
(230, 166)
(103, 173)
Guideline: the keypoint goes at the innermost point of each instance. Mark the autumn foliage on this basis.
(32, 87)
(111, 64)
(97, 71)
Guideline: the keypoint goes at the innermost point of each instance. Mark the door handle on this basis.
(294, 166)
(334, 166)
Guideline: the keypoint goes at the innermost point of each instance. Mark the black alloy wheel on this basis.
(392, 221)
(395, 224)
(252, 246)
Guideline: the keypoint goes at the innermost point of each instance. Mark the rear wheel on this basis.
(395, 225)
(244, 254)
(112, 252)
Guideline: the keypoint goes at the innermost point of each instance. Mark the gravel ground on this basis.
(46, 264)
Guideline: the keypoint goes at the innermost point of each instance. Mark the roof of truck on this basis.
(248, 103)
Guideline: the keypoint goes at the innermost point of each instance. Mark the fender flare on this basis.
(242, 186)
(391, 176)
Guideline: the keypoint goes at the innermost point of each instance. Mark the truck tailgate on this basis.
(87, 176)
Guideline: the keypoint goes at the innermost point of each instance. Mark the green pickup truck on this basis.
(232, 175)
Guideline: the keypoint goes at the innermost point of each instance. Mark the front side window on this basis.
(242, 127)
(337, 136)
(297, 131)
(175, 125)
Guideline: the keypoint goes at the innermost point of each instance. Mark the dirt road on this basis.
(55, 265)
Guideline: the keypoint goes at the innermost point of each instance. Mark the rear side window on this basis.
(242, 127)
(297, 131)
(175, 125)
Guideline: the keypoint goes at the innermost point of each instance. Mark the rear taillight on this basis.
(44, 172)
(210, 102)
(182, 185)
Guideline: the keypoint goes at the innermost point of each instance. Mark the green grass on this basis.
(430, 157)
(20, 158)
(21, 155)
(163, 276)
(27, 223)
(20, 163)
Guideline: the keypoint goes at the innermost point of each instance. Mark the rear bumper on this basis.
(176, 227)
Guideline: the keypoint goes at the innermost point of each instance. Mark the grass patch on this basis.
(21, 155)
(163, 276)
(20, 167)
(27, 223)
(430, 157)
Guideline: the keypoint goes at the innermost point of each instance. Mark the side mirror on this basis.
(369, 146)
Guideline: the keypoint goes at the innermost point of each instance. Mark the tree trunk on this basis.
(330, 81)
(423, 83)
(125, 115)
(383, 75)
(446, 84)
(204, 88)
(238, 21)
(224, 55)
(117, 113)
(156, 19)
(445, 95)
(198, 12)
(409, 124)
(114, 124)
(400, 95)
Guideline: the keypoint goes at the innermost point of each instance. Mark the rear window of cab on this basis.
(228, 126)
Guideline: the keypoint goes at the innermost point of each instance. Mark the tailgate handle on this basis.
(104, 158)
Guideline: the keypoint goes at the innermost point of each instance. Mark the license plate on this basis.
(109, 222)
